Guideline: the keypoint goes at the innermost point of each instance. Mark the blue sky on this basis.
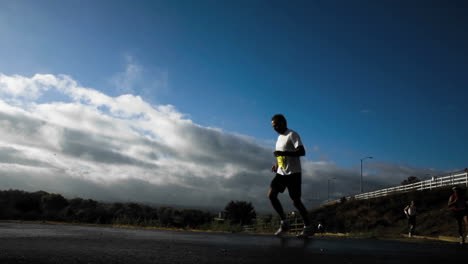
(355, 78)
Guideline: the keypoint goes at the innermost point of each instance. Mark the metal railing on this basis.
(296, 224)
(248, 228)
(456, 178)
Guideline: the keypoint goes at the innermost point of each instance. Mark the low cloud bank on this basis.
(88, 144)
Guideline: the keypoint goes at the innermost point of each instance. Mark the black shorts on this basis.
(459, 214)
(292, 182)
(412, 220)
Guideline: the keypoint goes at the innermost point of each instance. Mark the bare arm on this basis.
(274, 168)
(451, 201)
(298, 152)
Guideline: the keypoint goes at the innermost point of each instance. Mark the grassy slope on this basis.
(384, 216)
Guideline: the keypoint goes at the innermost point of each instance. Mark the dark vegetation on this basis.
(240, 212)
(43, 206)
(379, 217)
(384, 216)
(411, 179)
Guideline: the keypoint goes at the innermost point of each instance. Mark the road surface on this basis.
(46, 243)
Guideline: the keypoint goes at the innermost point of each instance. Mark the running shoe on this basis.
(306, 232)
(284, 228)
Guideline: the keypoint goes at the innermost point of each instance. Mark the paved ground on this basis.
(45, 243)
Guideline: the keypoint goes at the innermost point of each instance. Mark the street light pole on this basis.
(361, 170)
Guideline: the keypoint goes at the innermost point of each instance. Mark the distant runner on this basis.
(288, 151)
(457, 203)
(410, 211)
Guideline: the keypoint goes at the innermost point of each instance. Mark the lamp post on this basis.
(328, 188)
(361, 169)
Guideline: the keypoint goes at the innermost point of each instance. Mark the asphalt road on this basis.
(45, 243)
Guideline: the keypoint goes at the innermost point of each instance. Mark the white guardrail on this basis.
(456, 178)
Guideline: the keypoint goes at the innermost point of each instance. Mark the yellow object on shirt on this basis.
(281, 162)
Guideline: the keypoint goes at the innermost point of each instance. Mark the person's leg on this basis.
(294, 189)
(302, 210)
(308, 230)
(460, 226)
(273, 196)
(409, 227)
(465, 220)
(413, 224)
(275, 188)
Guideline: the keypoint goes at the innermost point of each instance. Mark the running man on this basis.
(288, 151)
(410, 212)
(457, 203)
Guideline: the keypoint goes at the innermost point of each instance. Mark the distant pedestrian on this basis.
(410, 212)
(457, 204)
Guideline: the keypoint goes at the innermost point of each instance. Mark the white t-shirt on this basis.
(288, 141)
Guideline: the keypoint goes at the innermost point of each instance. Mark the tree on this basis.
(240, 212)
(166, 215)
(53, 202)
(194, 218)
(82, 210)
(411, 179)
(26, 202)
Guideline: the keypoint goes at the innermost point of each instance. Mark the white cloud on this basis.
(103, 147)
(103, 140)
(136, 79)
(125, 81)
(19, 87)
